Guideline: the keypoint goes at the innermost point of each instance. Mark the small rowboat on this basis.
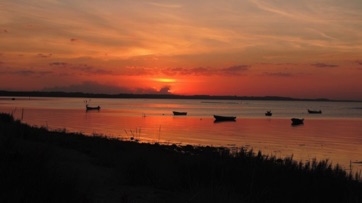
(297, 121)
(268, 113)
(178, 113)
(314, 111)
(88, 108)
(224, 118)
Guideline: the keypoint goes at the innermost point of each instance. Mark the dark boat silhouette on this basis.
(178, 113)
(268, 113)
(224, 118)
(88, 108)
(297, 121)
(314, 111)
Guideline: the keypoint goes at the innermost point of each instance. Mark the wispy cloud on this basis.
(188, 71)
(235, 70)
(324, 65)
(207, 71)
(165, 5)
(278, 74)
(58, 64)
(44, 55)
(26, 72)
(98, 88)
(80, 68)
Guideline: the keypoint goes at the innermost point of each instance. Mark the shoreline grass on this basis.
(38, 165)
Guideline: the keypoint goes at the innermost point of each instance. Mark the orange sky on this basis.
(305, 49)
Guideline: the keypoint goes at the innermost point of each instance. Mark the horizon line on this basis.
(160, 96)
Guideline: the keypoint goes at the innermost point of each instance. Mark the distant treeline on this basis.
(148, 96)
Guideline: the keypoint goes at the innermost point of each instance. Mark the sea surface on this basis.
(336, 134)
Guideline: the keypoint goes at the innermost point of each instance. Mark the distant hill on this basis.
(149, 96)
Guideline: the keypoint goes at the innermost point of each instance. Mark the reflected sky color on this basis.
(252, 47)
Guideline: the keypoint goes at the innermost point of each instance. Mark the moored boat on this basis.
(268, 113)
(314, 111)
(88, 108)
(297, 121)
(179, 113)
(224, 118)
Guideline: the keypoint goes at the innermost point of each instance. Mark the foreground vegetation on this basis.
(37, 165)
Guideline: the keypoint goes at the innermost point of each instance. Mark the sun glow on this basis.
(165, 80)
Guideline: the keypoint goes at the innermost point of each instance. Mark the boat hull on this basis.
(314, 112)
(224, 118)
(297, 121)
(89, 108)
(177, 113)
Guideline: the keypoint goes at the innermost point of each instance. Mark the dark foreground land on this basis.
(37, 165)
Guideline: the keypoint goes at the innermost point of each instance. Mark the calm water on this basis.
(336, 134)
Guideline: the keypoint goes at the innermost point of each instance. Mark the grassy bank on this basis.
(37, 165)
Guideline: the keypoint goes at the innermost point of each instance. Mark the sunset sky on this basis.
(302, 48)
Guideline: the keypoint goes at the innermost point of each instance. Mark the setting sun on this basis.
(164, 80)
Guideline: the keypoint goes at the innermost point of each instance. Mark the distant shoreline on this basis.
(4, 93)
